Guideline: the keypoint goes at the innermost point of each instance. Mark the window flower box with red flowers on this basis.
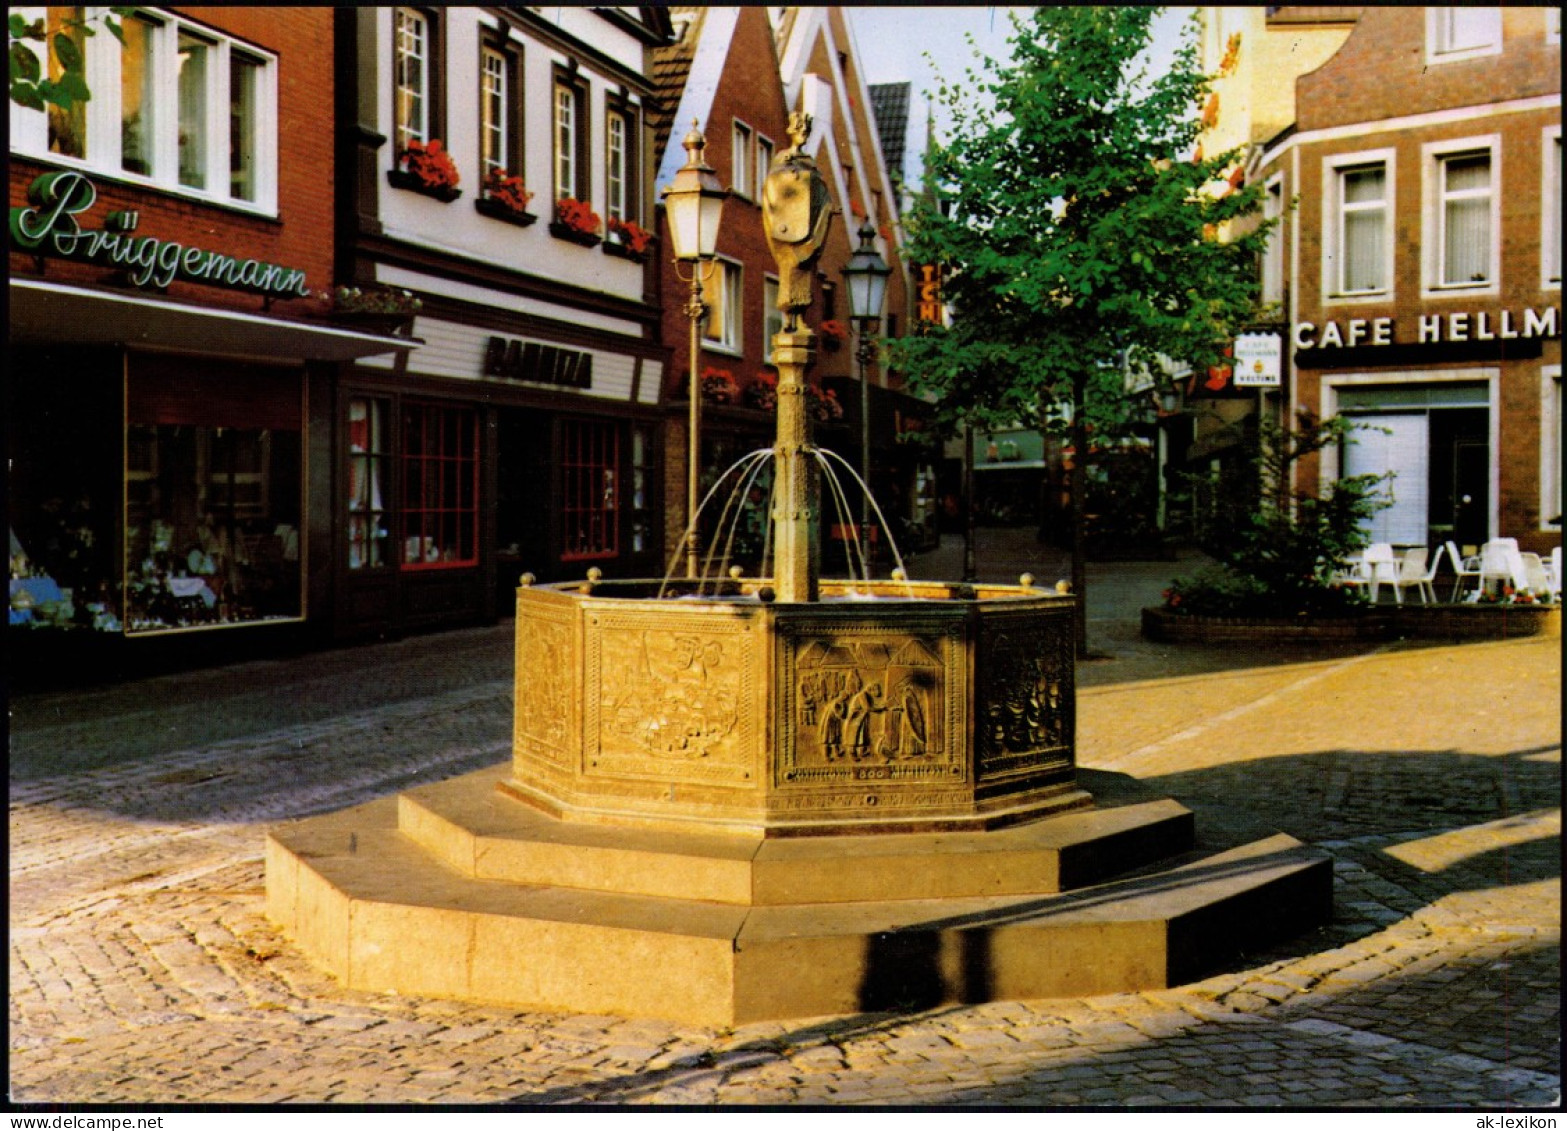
(381, 310)
(718, 386)
(503, 196)
(823, 406)
(763, 392)
(426, 167)
(628, 240)
(833, 333)
(576, 222)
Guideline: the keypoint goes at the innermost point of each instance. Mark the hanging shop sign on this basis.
(930, 307)
(1431, 329)
(534, 361)
(1258, 361)
(50, 227)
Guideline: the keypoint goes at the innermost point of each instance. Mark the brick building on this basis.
(1418, 273)
(170, 365)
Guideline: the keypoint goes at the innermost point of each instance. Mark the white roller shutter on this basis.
(1401, 445)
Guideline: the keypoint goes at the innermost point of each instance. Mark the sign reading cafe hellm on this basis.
(1430, 329)
(49, 227)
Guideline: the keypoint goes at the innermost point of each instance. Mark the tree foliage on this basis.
(1073, 222)
(67, 84)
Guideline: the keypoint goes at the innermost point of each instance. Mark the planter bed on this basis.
(1183, 628)
(1439, 622)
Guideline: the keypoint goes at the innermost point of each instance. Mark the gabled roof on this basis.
(686, 74)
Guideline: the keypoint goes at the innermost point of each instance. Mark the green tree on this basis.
(66, 83)
(1073, 221)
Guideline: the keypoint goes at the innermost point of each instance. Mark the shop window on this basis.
(440, 466)
(590, 472)
(642, 510)
(180, 143)
(740, 162)
(213, 499)
(369, 536)
(1453, 34)
(1358, 240)
(721, 291)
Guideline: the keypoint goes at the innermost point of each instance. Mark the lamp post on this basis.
(694, 202)
(866, 274)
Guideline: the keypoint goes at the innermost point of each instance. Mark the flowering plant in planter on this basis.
(431, 164)
(822, 406)
(833, 330)
(507, 190)
(578, 216)
(373, 300)
(762, 393)
(632, 235)
(718, 385)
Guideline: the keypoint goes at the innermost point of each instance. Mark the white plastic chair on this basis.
(1381, 568)
(1412, 570)
(1462, 568)
(1555, 568)
(1537, 576)
(1501, 561)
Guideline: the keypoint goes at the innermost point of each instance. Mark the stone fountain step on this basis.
(375, 909)
(482, 833)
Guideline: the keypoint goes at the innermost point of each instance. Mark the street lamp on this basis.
(866, 274)
(694, 202)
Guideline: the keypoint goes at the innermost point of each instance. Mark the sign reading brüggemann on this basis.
(49, 227)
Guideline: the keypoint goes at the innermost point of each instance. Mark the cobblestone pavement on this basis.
(143, 970)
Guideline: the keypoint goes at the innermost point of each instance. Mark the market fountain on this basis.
(737, 798)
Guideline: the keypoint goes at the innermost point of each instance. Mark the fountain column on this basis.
(797, 553)
(796, 213)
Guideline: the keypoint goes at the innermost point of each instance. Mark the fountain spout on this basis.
(796, 215)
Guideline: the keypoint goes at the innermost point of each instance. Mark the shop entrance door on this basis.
(522, 492)
(1472, 487)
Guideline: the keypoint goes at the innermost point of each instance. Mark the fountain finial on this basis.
(796, 213)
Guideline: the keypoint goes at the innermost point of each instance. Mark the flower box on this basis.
(375, 322)
(496, 210)
(571, 235)
(403, 179)
(622, 251)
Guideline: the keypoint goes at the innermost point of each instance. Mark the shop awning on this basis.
(43, 311)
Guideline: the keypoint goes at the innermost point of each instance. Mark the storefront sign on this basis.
(534, 361)
(50, 228)
(1258, 361)
(930, 294)
(1431, 329)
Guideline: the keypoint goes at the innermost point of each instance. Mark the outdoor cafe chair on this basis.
(1536, 574)
(1463, 568)
(1501, 562)
(1381, 568)
(1554, 568)
(1412, 570)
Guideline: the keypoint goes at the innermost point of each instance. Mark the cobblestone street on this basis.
(143, 970)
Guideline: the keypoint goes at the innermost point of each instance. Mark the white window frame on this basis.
(417, 128)
(765, 151)
(1439, 34)
(730, 278)
(1333, 169)
(496, 99)
(742, 160)
(569, 179)
(770, 315)
(1550, 445)
(1434, 215)
(30, 132)
(617, 195)
(1273, 253)
(1551, 217)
